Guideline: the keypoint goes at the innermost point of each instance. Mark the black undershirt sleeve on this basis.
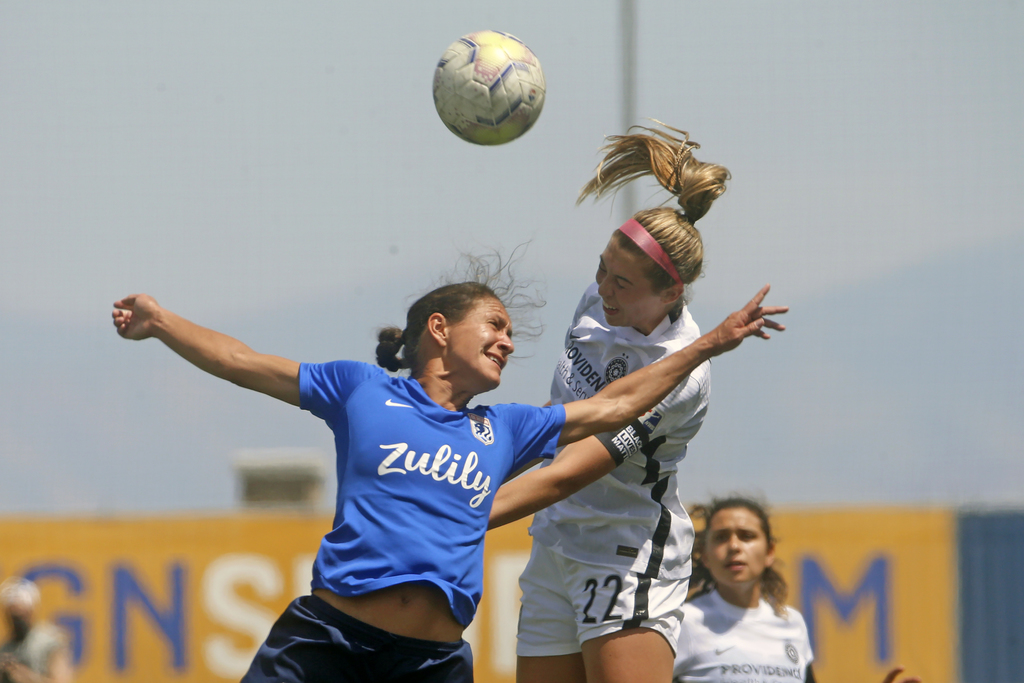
(809, 676)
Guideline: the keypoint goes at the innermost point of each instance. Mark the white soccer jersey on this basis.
(631, 518)
(722, 643)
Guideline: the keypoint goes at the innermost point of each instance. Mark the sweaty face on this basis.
(737, 551)
(627, 294)
(480, 345)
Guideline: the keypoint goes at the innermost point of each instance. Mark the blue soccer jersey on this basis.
(415, 481)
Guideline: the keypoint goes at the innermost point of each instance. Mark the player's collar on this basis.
(659, 330)
(735, 612)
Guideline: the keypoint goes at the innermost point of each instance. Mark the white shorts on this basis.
(566, 603)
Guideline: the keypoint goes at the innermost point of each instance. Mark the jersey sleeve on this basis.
(535, 431)
(685, 647)
(325, 387)
(805, 640)
(682, 411)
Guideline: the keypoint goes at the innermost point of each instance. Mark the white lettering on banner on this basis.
(450, 475)
(302, 574)
(224, 606)
(503, 600)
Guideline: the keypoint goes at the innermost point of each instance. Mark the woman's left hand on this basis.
(748, 321)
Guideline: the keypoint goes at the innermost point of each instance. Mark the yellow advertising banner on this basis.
(185, 599)
(877, 588)
(190, 598)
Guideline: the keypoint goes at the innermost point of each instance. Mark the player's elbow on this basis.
(234, 368)
(242, 368)
(594, 416)
(566, 478)
(617, 413)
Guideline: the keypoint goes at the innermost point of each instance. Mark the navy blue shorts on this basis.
(313, 642)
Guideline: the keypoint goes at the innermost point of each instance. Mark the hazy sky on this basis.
(277, 171)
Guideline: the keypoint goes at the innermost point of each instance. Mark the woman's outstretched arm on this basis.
(139, 316)
(577, 465)
(621, 402)
(628, 398)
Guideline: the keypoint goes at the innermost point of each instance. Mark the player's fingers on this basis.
(122, 319)
(754, 328)
(891, 676)
(774, 310)
(768, 322)
(758, 298)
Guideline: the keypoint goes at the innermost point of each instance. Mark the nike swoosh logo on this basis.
(391, 403)
(720, 650)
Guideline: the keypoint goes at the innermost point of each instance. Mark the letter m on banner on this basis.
(815, 584)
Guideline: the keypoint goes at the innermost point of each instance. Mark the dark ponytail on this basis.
(390, 340)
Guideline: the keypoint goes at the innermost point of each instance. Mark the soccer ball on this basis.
(488, 88)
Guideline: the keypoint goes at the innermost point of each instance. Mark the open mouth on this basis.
(499, 361)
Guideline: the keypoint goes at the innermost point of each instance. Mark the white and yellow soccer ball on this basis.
(488, 88)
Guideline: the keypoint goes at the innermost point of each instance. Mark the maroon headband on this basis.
(636, 232)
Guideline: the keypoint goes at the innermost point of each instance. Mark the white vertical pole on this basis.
(627, 24)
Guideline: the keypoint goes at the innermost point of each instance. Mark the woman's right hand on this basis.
(139, 316)
(134, 316)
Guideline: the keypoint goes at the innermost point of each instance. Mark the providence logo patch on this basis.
(618, 367)
(792, 653)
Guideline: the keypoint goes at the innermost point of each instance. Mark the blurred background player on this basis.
(605, 584)
(737, 622)
(35, 651)
(399, 577)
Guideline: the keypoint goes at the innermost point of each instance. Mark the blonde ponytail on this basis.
(694, 184)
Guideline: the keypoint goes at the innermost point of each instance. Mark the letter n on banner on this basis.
(170, 621)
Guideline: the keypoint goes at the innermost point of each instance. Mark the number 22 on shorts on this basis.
(592, 587)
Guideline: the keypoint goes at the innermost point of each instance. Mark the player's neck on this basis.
(742, 595)
(442, 392)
